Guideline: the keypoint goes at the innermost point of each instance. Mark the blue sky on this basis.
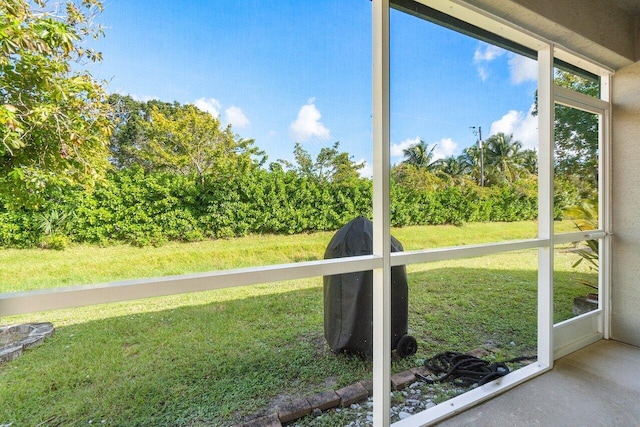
(300, 71)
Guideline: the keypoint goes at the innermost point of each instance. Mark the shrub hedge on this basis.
(140, 208)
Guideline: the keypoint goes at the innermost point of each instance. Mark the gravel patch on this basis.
(417, 397)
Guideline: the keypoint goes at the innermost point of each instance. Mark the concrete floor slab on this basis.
(596, 386)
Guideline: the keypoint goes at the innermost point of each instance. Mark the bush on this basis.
(141, 209)
(18, 229)
(54, 241)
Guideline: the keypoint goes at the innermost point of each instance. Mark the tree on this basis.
(189, 141)
(530, 161)
(330, 165)
(470, 158)
(419, 155)
(158, 135)
(503, 157)
(131, 118)
(455, 168)
(54, 121)
(576, 133)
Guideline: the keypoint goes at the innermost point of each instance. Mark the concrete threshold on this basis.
(598, 385)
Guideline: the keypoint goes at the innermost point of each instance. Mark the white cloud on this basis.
(484, 54)
(235, 117)
(483, 73)
(487, 52)
(522, 69)
(397, 150)
(211, 106)
(367, 170)
(444, 148)
(307, 124)
(523, 126)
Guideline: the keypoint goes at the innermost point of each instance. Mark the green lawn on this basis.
(36, 269)
(212, 358)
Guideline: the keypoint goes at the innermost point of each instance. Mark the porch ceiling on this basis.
(631, 6)
(602, 30)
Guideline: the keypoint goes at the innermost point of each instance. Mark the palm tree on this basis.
(530, 161)
(420, 156)
(503, 155)
(585, 217)
(470, 158)
(455, 168)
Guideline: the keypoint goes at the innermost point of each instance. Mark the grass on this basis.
(212, 358)
(23, 270)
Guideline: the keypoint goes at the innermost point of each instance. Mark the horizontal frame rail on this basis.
(577, 319)
(77, 296)
(13, 303)
(577, 332)
(470, 251)
(580, 101)
(578, 236)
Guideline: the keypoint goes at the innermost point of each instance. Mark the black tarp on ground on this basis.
(348, 298)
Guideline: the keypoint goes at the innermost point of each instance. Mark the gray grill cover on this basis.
(348, 298)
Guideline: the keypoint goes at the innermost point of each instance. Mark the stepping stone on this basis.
(368, 385)
(352, 394)
(421, 371)
(325, 400)
(402, 379)
(293, 410)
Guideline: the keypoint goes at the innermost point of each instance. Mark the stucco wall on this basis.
(625, 274)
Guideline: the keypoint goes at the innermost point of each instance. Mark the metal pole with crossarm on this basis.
(481, 150)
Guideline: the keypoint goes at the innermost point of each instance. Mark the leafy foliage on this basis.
(585, 216)
(151, 208)
(576, 133)
(130, 119)
(330, 165)
(503, 157)
(54, 121)
(416, 178)
(420, 156)
(456, 169)
(463, 203)
(178, 138)
(180, 176)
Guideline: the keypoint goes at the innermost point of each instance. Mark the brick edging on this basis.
(344, 397)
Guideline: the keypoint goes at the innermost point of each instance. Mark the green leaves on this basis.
(420, 156)
(180, 139)
(140, 208)
(330, 165)
(54, 124)
(504, 156)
